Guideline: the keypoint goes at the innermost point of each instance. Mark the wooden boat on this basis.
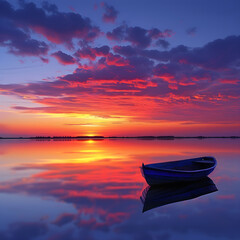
(178, 171)
(153, 197)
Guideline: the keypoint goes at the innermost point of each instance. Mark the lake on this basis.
(91, 189)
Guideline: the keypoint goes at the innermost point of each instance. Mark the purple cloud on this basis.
(63, 219)
(163, 43)
(52, 8)
(110, 14)
(64, 58)
(126, 51)
(137, 36)
(117, 33)
(92, 53)
(220, 53)
(18, 42)
(155, 33)
(102, 51)
(57, 27)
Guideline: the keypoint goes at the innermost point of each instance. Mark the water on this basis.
(67, 190)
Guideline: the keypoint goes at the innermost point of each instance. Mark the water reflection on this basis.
(164, 194)
(90, 190)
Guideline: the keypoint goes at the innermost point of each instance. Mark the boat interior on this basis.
(186, 165)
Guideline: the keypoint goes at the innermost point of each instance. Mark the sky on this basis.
(119, 68)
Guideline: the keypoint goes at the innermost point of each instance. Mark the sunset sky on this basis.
(120, 68)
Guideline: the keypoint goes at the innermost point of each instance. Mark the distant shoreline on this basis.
(114, 137)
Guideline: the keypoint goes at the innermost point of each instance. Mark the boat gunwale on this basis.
(182, 171)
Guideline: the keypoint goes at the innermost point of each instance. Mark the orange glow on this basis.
(122, 110)
(56, 124)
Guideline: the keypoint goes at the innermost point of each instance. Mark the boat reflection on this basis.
(153, 197)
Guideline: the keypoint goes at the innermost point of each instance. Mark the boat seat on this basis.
(203, 161)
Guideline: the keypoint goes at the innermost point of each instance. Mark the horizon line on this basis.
(116, 137)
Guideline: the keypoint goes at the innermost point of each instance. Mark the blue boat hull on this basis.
(178, 171)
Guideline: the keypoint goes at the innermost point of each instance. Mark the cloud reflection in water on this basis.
(102, 182)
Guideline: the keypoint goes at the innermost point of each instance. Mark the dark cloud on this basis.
(137, 36)
(155, 33)
(110, 14)
(91, 53)
(117, 33)
(57, 27)
(19, 42)
(163, 43)
(52, 8)
(218, 54)
(63, 219)
(64, 58)
(102, 51)
(6, 9)
(126, 51)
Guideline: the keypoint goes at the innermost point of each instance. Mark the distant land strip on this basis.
(115, 137)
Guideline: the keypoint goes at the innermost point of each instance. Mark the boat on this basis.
(178, 171)
(157, 196)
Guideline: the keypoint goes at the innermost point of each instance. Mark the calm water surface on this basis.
(69, 190)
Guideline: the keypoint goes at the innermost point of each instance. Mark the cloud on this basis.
(137, 36)
(126, 51)
(64, 58)
(155, 33)
(110, 14)
(5, 9)
(63, 219)
(115, 68)
(18, 42)
(115, 60)
(57, 27)
(91, 53)
(218, 54)
(197, 79)
(117, 33)
(52, 8)
(161, 42)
